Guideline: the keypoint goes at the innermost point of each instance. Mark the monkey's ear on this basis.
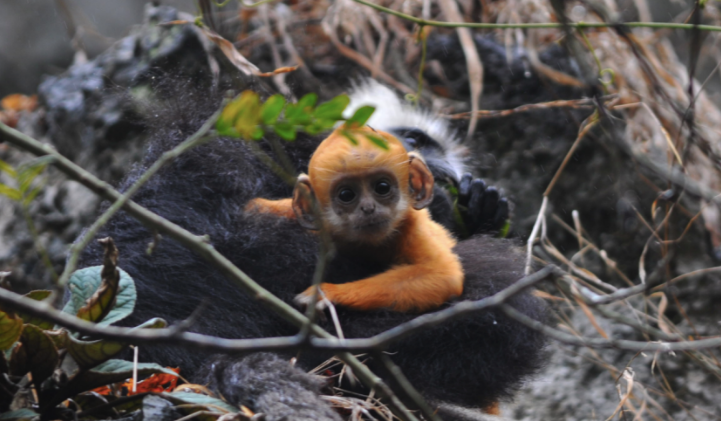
(304, 202)
(420, 181)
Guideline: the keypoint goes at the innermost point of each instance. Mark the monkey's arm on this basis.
(430, 274)
(401, 288)
(280, 207)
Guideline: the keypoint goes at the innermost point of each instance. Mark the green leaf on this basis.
(198, 399)
(11, 327)
(333, 109)
(201, 413)
(270, 111)
(103, 300)
(503, 232)
(285, 130)
(248, 117)
(7, 168)
(20, 414)
(360, 117)
(320, 126)
(90, 354)
(228, 116)
(29, 171)
(154, 323)
(308, 101)
(314, 129)
(40, 353)
(83, 284)
(38, 295)
(9, 192)
(18, 361)
(349, 136)
(302, 112)
(59, 337)
(230, 132)
(122, 367)
(31, 196)
(257, 133)
(378, 141)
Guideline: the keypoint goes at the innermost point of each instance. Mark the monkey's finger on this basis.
(490, 206)
(304, 299)
(502, 214)
(476, 203)
(464, 188)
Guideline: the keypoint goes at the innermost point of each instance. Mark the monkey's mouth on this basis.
(372, 225)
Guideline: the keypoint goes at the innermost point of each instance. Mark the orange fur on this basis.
(493, 409)
(425, 275)
(282, 207)
(424, 271)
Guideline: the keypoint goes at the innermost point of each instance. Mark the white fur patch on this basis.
(393, 112)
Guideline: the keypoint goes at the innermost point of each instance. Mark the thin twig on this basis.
(588, 103)
(545, 25)
(408, 387)
(622, 344)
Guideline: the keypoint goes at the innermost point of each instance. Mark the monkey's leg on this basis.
(280, 207)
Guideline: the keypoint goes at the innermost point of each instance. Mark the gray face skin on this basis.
(364, 207)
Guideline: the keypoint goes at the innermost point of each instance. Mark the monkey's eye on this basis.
(346, 195)
(383, 188)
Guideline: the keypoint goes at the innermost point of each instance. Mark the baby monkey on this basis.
(372, 203)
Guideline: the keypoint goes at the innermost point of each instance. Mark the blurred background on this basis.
(37, 36)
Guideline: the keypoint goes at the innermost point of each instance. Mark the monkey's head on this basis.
(363, 192)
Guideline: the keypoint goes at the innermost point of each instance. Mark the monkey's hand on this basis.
(482, 208)
(304, 299)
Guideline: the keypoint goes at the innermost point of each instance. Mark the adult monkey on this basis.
(473, 362)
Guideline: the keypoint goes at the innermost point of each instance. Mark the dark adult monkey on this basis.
(472, 362)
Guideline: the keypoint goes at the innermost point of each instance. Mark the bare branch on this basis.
(622, 344)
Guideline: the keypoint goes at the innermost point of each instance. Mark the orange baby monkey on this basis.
(372, 203)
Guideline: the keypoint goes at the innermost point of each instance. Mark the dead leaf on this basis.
(231, 53)
(279, 71)
(19, 102)
(662, 306)
(235, 57)
(157, 383)
(194, 388)
(9, 118)
(103, 300)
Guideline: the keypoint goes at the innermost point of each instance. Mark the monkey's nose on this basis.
(368, 208)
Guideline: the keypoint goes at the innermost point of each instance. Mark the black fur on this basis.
(473, 361)
(264, 380)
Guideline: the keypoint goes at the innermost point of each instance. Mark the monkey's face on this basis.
(365, 207)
